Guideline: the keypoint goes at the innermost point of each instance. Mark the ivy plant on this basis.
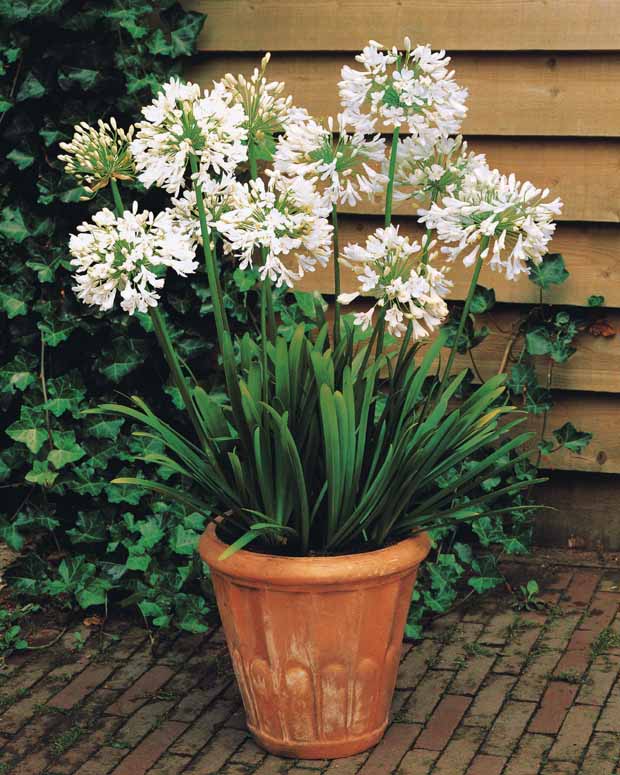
(83, 542)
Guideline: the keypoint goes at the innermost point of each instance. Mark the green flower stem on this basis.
(221, 321)
(116, 194)
(165, 342)
(392, 171)
(267, 316)
(465, 313)
(336, 277)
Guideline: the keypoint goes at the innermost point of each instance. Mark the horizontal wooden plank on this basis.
(585, 174)
(585, 507)
(591, 253)
(597, 414)
(346, 25)
(510, 94)
(593, 368)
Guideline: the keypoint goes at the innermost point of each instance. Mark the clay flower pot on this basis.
(315, 641)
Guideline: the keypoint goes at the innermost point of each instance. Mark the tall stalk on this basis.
(465, 313)
(336, 277)
(165, 342)
(267, 315)
(219, 313)
(391, 172)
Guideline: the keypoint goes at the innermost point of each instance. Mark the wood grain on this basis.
(597, 414)
(592, 368)
(591, 253)
(510, 94)
(584, 173)
(584, 512)
(346, 25)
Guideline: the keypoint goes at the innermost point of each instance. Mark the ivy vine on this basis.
(81, 541)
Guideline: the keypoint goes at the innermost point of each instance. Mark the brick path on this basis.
(490, 691)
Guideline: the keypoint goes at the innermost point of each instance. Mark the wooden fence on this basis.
(544, 83)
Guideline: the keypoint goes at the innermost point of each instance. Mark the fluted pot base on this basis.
(335, 749)
(315, 642)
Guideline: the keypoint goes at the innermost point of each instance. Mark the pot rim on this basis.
(396, 559)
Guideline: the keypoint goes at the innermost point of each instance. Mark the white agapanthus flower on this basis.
(96, 156)
(342, 164)
(411, 290)
(287, 218)
(181, 122)
(266, 110)
(127, 254)
(411, 88)
(217, 196)
(429, 167)
(512, 216)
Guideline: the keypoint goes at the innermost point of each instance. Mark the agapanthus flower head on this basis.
(341, 164)
(127, 254)
(97, 155)
(267, 110)
(180, 123)
(400, 275)
(411, 88)
(429, 167)
(217, 196)
(287, 219)
(511, 218)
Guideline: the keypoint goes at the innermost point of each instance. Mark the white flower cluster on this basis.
(123, 254)
(217, 197)
(180, 123)
(427, 168)
(342, 165)
(95, 156)
(285, 218)
(512, 218)
(267, 112)
(413, 88)
(411, 290)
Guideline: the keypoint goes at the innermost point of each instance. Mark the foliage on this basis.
(62, 63)
(88, 542)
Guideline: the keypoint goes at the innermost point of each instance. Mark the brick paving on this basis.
(490, 691)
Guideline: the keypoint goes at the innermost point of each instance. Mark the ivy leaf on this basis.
(66, 450)
(538, 341)
(65, 394)
(41, 474)
(56, 331)
(538, 400)
(551, 271)
(18, 373)
(89, 528)
(139, 562)
(596, 301)
(95, 593)
(21, 159)
(483, 300)
(12, 225)
(123, 357)
(29, 429)
(183, 541)
(104, 428)
(183, 36)
(82, 77)
(520, 377)
(483, 584)
(30, 89)
(570, 438)
(151, 532)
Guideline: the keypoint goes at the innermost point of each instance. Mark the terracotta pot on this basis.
(315, 642)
